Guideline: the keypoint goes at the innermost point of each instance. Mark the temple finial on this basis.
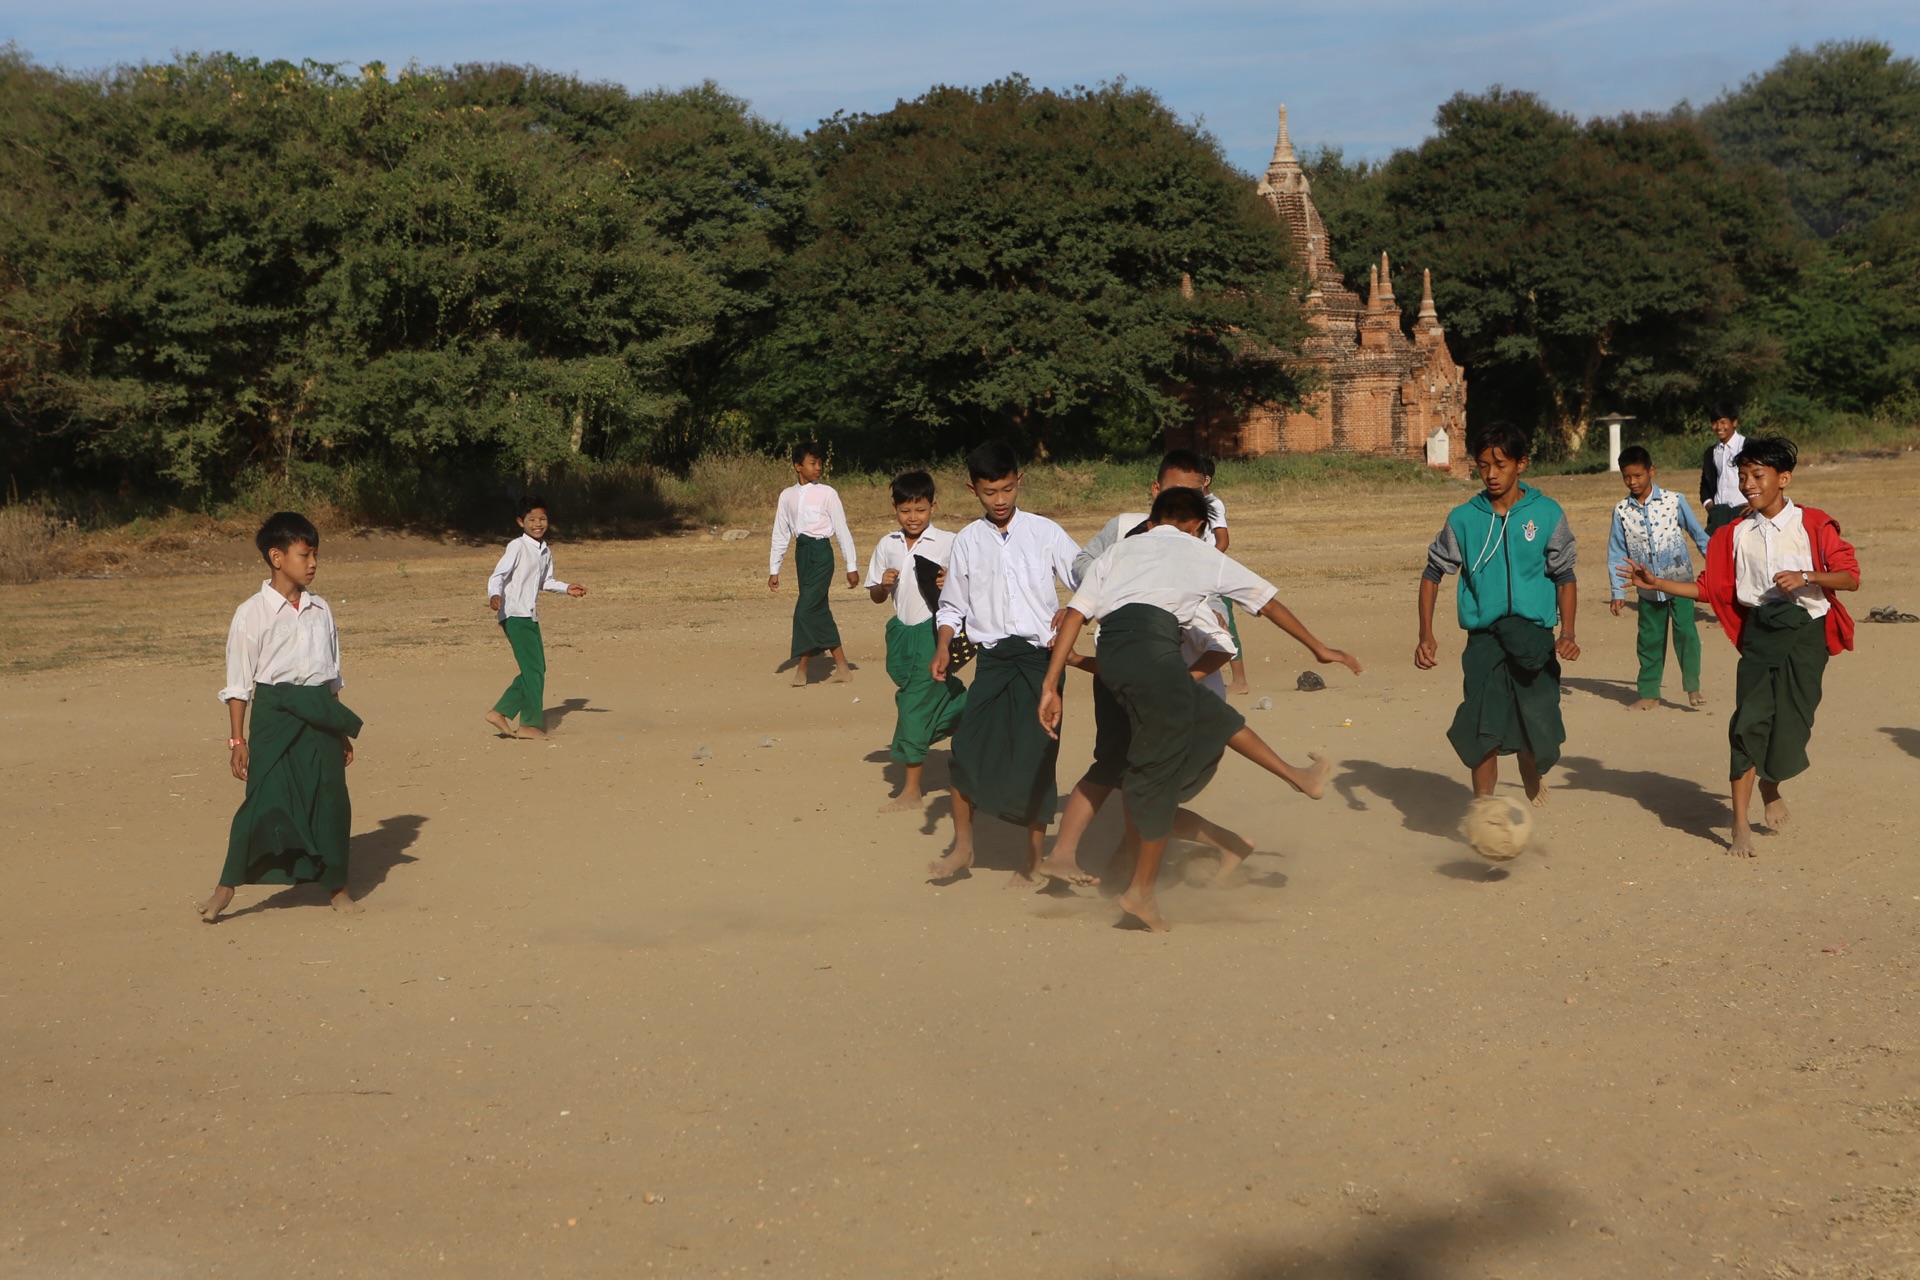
(1427, 314)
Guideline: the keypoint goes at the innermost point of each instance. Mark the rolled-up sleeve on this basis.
(242, 645)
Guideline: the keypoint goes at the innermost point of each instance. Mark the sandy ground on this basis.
(616, 1010)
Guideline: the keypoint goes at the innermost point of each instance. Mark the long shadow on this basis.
(370, 856)
(892, 772)
(1680, 803)
(1908, 740)
(1624, 692)
(556, 714)
(1443, 1244)
(1430, 803)
(813, 665)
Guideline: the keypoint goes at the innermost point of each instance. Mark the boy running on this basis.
(1653, 526)
(809, 513)
(513, 593)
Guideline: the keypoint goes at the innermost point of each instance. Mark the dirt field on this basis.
(614, 1010)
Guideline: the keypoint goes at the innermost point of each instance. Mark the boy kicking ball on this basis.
(513, 593)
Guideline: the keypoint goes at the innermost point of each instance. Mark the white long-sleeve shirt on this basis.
(892, 552)
(1726, 485)
(274, 641)
(1763, 548)
(812, 510)
(524, 571)
(1001, 584)
(1169, 570)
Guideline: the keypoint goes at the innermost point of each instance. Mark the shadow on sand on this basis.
(370, 857)
(1908, 740)
(1430, 803)
(1624, 692)
(1680, 803)
(814, 660)
(572, 705)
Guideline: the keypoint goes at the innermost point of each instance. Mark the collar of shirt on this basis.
(1788, 513)
(1731, 447)
(1652, 494)
(277, 601)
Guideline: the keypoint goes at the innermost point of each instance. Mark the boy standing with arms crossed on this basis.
(513, 593)
(1000, 592)
(925, 710)
(1771, 576)
(1514, 552)
(808, 514)
(1653, 526)
(283, 658)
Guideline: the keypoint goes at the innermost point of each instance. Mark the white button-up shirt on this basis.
(1169, 570)
(1763, 548)
(813, 510)
(524, 571)
(1726, 491)
(892, 552)
(275, 641)
(1001, 584)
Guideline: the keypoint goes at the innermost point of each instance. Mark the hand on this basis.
(1614, 607)
(890, 577)
(1792, 579)
(1059, 616)
(773, 582)
(576, 590)
(1426, 654)
(1050, 712)
(1638, 575)
(1340, 656)
(853, 578)
(1567, 648)
(938, 667)
(239, 761)
(493, 603)
(346, 745)
(940, 579)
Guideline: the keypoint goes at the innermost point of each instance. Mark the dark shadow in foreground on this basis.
(1908, 740)
(370, 856)
(556, 714)
(1680, 803)
(1430, 803)
(1624, 692)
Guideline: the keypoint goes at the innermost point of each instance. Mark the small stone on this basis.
(735, 535)
(766, 742)
(856, 699)
(702, 753)
(1309, 682)
(651, 1198)
(1265, 704)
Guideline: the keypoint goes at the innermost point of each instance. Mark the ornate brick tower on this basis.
(1382, 393)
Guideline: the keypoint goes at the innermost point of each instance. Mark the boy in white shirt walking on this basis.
(1000, 592)
(283, 660)
(908, 569)
(807, 515)
(513, 593)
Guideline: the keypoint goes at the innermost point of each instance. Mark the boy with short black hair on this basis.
(808, 514)
(1653, 526)
(1000, 593)
(1719, 474)
(513, 593)
(1514, 552)
(908, 568)
(283, 660)
(1771, 576)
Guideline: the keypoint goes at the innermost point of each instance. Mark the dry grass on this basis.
(32, 542)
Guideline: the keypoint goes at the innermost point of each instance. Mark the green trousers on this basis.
(1233, 629)
(1783, 659)
(526, 696)
(923, 712)
(295, 824)
(1655, 618)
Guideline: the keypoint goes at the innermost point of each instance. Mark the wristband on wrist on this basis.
(235, 742)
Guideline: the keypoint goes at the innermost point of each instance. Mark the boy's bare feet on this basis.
(501, 725)
(343, 903)
(1742, 845)
(958, 859)
(531, 731)
(905, 802)
(1536, 786)
(1067, 869)
(1144, 909)
(1645, 704)
(1239, 689)
(1234, 850)
(841, 675)
(1025, 881)
(1777, 814)
(221, 898)
(1697, 699)
(1313, 779)
(800, 674)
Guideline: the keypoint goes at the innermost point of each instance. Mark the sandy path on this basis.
(615, 1011)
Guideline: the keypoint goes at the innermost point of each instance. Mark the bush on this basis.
(31, 539)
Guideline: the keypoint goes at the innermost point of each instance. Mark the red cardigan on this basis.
(1830, 552)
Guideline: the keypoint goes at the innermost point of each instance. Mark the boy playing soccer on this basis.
(283, 657)
(1514, 552)
(1771, 576)
(1000, 592)
(1653, 526)
(925, 710)
(513, 593)
(808, 515)
(1142, 591)
(1222, 539)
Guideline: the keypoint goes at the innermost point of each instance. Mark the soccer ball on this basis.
(1497, 828)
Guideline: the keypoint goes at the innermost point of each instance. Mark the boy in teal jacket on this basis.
(1514, 552)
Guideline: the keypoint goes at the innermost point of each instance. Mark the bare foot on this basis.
(1645, 704)
(1697, 699)
(343, 903)
(221, 898)
(1067, 869)
(1025, 881)
(1145, 910)
(958, 859)
(532, 731)
(1742, 846)
(1777, 815)
(1239, 689)
(501, 725)
(1313, 782)
(906, 802)
(800, 674)
(841, 675)
(1232, 853)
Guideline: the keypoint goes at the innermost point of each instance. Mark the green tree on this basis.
(1011, 259)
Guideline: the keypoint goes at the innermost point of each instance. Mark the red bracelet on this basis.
(235, 742)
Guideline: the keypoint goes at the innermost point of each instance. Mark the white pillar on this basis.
(1613, 445)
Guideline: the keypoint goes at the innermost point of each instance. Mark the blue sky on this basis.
(1364, 76)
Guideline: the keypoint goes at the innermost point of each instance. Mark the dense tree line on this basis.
(217, 266)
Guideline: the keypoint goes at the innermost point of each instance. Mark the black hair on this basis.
(282, 530)
(528, 505)
(1207, 463)
(1179, 506)
(1723, 409)
(808, 449)
(1775, 452)
(994, 460)
(1635, 456)
(1183, 460)
(1514, 441)
(912, 486)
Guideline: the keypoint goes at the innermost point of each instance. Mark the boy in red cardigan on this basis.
(1771, 577)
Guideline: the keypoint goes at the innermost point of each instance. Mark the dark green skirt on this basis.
(1112, 738)
(1783, 659)
(1178, 729)
(923, 711)
(294, 825)
(1511, 695)
(1003, 761)
(813, 626)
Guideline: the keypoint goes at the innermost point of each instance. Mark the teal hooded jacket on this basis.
(1508, 565)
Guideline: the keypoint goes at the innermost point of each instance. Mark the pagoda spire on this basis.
(1284, 173)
